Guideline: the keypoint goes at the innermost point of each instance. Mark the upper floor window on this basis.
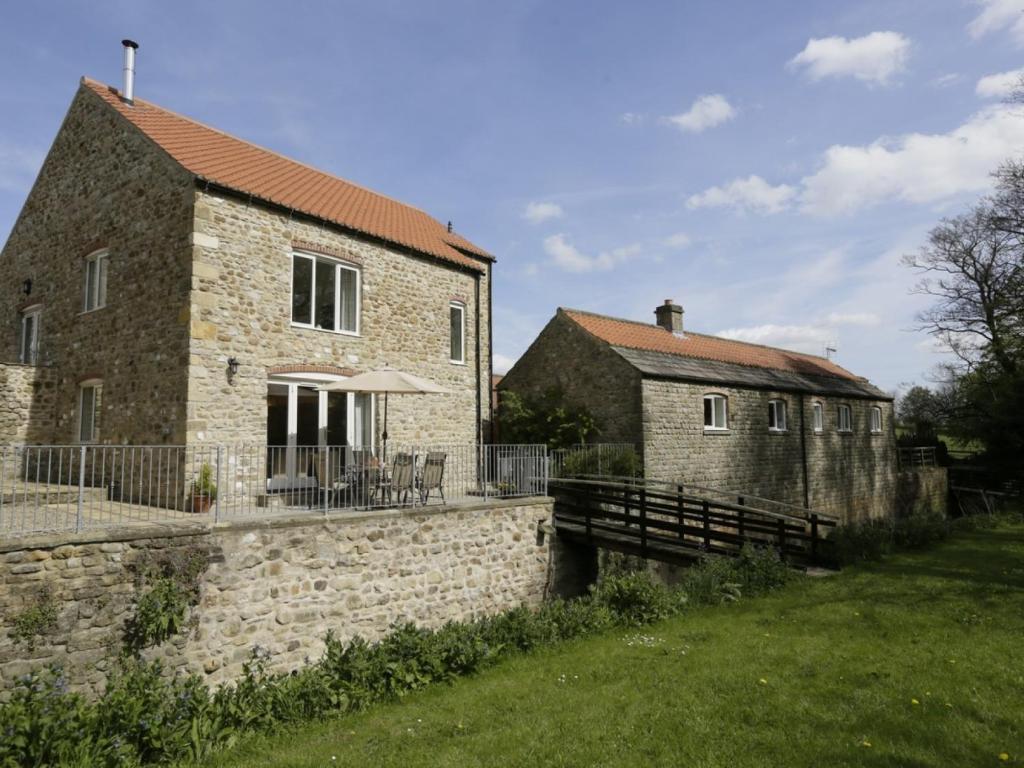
(457, 321)
(94, 294)
(844, 419)
(818, 416)
(716, 412)
(876, 419)
(777, 415)
(28, 349)
(88, 408)
(325, 294)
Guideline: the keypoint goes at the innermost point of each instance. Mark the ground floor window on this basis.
(28, 349)
(777, 415)
(88, 408)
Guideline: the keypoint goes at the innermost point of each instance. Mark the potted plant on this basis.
(204, 491)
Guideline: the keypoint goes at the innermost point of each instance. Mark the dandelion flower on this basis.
(762, 681)
(865, 743)
(915, 702)
(1003, 756)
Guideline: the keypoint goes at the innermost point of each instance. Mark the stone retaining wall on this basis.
(922, 490)
(277, 583)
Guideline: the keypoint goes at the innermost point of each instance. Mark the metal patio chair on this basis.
(432, 477)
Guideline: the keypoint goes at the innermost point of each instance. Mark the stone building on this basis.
(723, 414)
(169, 284)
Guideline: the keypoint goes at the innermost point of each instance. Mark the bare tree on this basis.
(973, 267)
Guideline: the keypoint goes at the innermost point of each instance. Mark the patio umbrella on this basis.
(386, 381)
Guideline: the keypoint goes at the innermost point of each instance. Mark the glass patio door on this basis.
(302, 420)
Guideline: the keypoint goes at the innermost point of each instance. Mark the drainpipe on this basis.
(479, 409)
(490, 354)
(803, 451)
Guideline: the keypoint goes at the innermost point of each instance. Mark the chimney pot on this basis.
(670, 317)
(128, 90)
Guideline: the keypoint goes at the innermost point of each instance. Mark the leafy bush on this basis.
(864, 540)
(635, 598)
(168, 587)
(760, 569)
(920, 530)
(36, 620)
(610, 461)
(711, 582)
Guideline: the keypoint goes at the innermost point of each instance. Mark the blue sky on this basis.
(763, 164)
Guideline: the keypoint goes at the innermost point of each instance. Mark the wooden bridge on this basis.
(678, 524)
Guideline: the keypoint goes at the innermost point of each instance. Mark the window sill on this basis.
(774, 431)
(92, 311)
(844, 431)
(716, 430)
(302, 327)
(457, 362)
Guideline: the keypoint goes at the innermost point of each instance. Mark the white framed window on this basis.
(94, 292)
(89, 395)
(776, 415)
(457, 323)
(325, 294)
(876, 419)
(844, 419)
(716, 412)
(28, 348)
(818, 416)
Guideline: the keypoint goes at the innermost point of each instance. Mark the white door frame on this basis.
(311, 380)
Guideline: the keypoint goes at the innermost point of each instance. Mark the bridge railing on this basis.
(660, 522)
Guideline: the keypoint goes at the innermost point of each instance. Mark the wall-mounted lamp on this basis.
(27, 286)
(232, 366)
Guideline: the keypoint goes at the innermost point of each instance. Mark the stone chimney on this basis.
(670, 317)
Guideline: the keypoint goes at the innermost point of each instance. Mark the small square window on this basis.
(844, 419)
(716, 412)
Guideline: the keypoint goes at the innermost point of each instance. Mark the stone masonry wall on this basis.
(280, 584)
(26, 404)
(241, 307)
(590, 374)
(852, 474)
(923, 490)
(104, 185)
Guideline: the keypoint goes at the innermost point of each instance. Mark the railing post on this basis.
(706, 511)
(814, 538)
(681, 511)
(643, 521)
(782, 538)
(741, 523)
(586, 509)
(80, 517)
(484, 463)
(217, 485)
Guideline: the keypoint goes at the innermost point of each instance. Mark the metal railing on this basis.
(913, 457)
(595, 459)
(74, 488)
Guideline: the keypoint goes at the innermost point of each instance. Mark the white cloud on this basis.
(567, 257)
(944, 81)
(629, 118)
(536, 212)
(502, 363)
(678, 240)
(706, 112)
(916, 167)
(997, 15)
(1000, 85)
(752, 193)
(800, 338)
(874, 58)
(861, 319)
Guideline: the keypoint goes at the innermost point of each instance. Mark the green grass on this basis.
(809, 676)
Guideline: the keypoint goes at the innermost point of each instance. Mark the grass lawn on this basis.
(917, 661)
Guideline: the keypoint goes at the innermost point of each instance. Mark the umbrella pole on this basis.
(384, 434)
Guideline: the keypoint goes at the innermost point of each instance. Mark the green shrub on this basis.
(712, 581)
(920, 530)
(864, 540)
(635, 598)
(609, 461)
(760, 569)
(38, 619)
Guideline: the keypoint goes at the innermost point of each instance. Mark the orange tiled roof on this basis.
(653, 338)
(221, 159)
